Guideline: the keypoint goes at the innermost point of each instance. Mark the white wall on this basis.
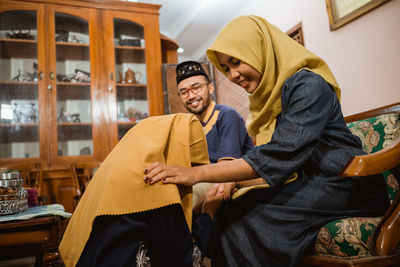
(364, 55)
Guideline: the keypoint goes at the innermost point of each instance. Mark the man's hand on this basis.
(213, 201)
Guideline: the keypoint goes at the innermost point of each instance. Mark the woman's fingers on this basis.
(159, 171)
(152, 167)
(155, 172)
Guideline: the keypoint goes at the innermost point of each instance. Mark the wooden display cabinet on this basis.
(66, 87)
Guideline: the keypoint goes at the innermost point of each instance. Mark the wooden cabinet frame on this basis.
(99, 15)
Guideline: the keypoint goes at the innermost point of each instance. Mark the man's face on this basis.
(195, 93)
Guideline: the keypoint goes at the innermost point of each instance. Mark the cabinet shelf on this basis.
(71, 44)
(18, 83)
(128, 47)
(131, 85)
(15, 40)
(75, 124)
(11, 125)
(72, 84)
(18, 48)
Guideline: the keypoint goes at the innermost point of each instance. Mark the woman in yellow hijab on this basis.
(121, 221)
(300, 132)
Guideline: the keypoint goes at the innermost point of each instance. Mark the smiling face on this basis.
(196, 103)
(239, 72)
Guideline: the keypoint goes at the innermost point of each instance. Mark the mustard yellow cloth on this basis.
(118, 188)
(246, 189)
(273, 54)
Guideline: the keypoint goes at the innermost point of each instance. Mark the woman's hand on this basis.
(229, 171)
(159, 171)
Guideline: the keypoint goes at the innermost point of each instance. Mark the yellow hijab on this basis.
(273, 54)
(118, 188)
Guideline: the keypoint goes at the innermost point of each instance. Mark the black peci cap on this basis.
(188, 69)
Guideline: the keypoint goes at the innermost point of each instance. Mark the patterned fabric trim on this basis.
(376, 132)
(142, 260)
(197, 259)
(346, 237)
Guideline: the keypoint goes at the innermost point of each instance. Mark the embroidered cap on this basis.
(188, 69)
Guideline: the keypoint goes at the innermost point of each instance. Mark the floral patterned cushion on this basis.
(351, 237)
(377, 133)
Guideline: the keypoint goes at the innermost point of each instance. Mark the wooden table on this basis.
(39, 237)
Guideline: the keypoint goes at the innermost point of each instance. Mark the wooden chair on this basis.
(386, 238)
(82, 172)
(32, 172)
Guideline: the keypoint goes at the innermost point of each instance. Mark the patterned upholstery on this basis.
(351, 237)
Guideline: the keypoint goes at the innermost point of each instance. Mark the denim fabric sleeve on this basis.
(307, 101)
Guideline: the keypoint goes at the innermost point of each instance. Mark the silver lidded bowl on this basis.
(13, 196)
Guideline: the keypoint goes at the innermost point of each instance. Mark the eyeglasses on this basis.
(195, 89)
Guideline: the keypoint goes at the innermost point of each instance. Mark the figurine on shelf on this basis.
(35, 72)
(76, 40)
(129, 42)
(64, 78)
(121, 78)
(17, 115)
(130, 76)
(16, 78)
(21, 33)
(62, 35)
(82, 76)
(134, 114)
(85, 151)
(32, 113)
(75, 117)
(27, 77)
(61, 115)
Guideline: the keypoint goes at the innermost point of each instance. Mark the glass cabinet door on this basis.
(74, 130)
(19, 84)
(130, 69)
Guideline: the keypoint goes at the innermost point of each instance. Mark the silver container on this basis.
(13, 196)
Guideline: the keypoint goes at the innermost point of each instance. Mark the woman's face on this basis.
(239, 72)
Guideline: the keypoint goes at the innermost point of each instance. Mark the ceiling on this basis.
(195, 24)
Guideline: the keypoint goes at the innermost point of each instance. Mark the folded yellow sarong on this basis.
(118, 188)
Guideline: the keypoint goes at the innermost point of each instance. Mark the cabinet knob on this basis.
(110, 88)
(52, 75)
(49, 87)
(41, 75)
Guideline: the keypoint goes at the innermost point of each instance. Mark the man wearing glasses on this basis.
(223, 126)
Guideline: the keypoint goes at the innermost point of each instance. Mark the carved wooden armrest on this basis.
(378, 162)
(387, 234)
